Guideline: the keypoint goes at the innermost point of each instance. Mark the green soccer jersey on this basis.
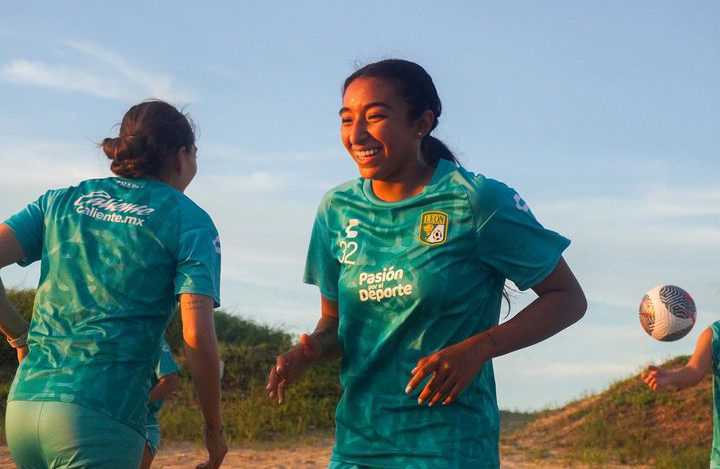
(114, 254)
(410, 278)
(165, 366)
(715, 452)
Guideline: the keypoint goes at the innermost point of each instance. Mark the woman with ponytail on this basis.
(117, 255)
(411, 260)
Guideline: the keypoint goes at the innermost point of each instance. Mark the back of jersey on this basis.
(110, 254)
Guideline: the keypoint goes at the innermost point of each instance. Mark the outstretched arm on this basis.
(698, 366)
(560, 303)
(12, 324)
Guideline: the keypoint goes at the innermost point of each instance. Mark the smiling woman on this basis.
(389, 109)
(411, 261)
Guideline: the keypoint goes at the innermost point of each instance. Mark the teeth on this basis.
(366, 153)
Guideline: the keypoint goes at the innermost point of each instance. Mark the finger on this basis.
(282, 364)
(281, 391)
(418, 374)
(272, 383)
(428, 389)
(652, 383)
(436, 381)
(443, 391)
(454, 393)
(421, 363)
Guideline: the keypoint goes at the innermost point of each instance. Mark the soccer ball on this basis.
(667, 313)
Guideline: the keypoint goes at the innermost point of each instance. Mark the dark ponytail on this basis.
(416, 87)
(150, 134)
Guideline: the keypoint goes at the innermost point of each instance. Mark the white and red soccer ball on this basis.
(667, 313)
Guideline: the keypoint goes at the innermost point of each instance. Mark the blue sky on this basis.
(604, 115)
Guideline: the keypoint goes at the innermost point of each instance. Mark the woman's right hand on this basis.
(656, 378)
(290, 366)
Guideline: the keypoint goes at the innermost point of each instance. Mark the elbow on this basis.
(577, 305)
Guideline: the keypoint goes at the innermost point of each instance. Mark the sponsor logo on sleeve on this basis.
(216, 244)
(520, 203)
(433, 228)
(102, 206)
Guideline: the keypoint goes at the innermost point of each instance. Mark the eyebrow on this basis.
(373, 104)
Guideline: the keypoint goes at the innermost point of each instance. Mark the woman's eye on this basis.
(375, 117)
(345, 120)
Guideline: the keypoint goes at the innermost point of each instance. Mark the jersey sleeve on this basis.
(198, 257)
(322, 269)
(511, 240)
(166, 364)
(715, 327)
(29, 227)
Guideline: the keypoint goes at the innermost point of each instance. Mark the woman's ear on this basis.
(425, 123)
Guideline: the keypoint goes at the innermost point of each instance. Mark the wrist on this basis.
(484, 346)
(19, 341)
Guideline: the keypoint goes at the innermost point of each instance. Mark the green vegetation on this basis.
(629, 424)
(248, 350)
(626, 424)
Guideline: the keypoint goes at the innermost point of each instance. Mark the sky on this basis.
(605, 116)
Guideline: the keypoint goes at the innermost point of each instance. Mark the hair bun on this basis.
(150, 133)
(110, 147)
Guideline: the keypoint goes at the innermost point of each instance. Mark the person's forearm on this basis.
(204, 364)
(202, 354)
(685, 377)
(543, 318)
(326, 335)
(12, 324)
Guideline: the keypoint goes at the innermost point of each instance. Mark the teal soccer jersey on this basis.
(115, 253)
(715, 452)
(410, 278)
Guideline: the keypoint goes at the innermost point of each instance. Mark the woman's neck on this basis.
(408, 185)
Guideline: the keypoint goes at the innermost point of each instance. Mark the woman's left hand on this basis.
(451, 370)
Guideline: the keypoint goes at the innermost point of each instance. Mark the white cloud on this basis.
(38, 165)
(106, 74)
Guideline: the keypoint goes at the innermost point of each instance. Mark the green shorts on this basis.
(61, 435)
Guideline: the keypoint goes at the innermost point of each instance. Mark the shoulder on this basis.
(486, 195)
(191, 214)
(340, 194)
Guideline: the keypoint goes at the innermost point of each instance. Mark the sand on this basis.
(310, 455)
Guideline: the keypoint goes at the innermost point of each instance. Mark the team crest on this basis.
(433, 228)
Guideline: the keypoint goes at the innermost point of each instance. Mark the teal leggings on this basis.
(59, 435)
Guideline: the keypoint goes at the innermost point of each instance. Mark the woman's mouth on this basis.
(366, 155)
